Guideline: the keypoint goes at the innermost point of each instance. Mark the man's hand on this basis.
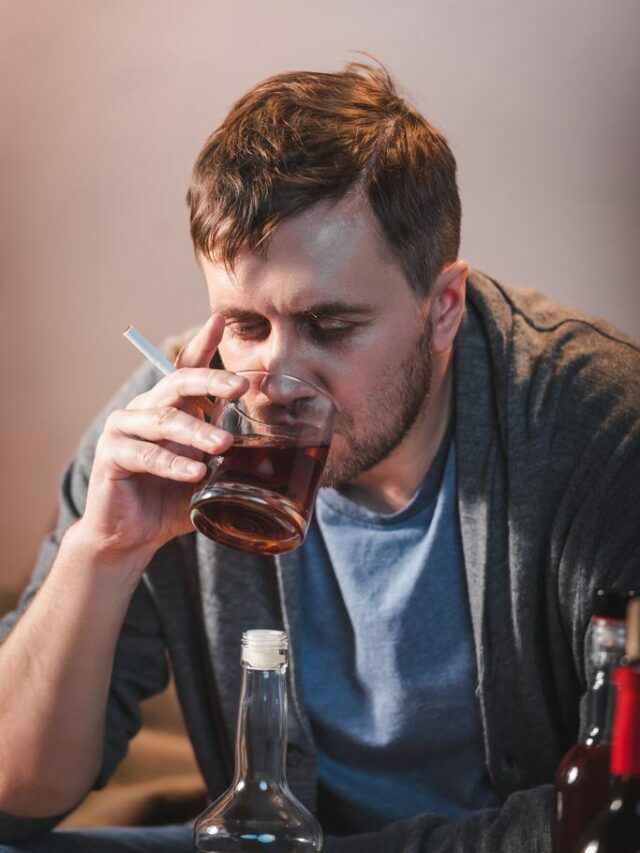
(148, 458)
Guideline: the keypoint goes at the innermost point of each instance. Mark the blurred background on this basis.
(104, 106)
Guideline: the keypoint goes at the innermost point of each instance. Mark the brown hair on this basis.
(302, 137)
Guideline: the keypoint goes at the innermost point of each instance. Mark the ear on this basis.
(447, 300)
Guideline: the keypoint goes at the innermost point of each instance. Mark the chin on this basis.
(338, 456)
(340, 471)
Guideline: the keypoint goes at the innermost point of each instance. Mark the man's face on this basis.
(327, 305)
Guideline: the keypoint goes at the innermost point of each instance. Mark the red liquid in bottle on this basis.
(582, 785)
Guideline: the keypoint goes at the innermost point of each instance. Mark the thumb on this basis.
(199, 351)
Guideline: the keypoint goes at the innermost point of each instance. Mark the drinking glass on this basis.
(258, 495)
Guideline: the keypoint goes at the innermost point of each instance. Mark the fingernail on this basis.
(235, 381)
(193, 467)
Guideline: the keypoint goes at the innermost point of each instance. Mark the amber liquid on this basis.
(262, 496)
(582, 792)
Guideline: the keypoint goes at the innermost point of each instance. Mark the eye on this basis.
(329, 328)
(332, 325)
(247, 329)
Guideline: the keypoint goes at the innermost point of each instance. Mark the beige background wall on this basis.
(104, 104)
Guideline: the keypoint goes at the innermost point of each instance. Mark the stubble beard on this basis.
(390, 415)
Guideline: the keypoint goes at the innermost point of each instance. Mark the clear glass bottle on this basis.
(258, 812)
(582, 778)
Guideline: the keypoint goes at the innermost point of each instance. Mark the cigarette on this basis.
(153, 354)
(159, 360)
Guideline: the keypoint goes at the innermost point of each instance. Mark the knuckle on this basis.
(139, 401)
(106, 452)
(198, 430)
(178, 376)
(167, 416)
(173, 463)
(178, 380)
(149, 455)
(112, 422)
(102, 451)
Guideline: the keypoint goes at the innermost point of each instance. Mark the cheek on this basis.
(359, 371)
(354, 384)
(238, 355)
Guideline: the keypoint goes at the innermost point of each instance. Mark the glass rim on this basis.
(290, 431)
(289, 376)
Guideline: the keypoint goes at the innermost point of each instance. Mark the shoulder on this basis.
(526, 318)
(554, 359)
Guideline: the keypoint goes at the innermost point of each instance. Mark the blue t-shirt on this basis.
(387, 657)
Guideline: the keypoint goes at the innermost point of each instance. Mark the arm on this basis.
(56, 685)
(55, 670)
(138, 669)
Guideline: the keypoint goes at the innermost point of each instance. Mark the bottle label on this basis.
(625, 748)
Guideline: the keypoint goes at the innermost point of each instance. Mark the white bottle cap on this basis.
(264, 649)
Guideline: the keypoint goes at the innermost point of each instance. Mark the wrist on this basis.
(98, 552)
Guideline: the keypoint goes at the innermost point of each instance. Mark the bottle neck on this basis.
(261, 739)
(600, 707)
(607, 648)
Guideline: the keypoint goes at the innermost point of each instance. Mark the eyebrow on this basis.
(321, 309)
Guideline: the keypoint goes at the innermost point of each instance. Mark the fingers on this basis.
(199, 351)
(133, 441)
(126, 457)
(193, 378)
(185, 383)
(168, 424)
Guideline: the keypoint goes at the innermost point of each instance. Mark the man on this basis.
(482, 481)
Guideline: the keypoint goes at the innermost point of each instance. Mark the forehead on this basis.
(332, 251)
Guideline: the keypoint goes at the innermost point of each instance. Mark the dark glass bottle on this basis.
(582, 778)
(258, 813)
(617, 829)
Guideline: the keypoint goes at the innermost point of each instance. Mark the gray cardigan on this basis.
(548, 456)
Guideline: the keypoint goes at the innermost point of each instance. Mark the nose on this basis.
(283, 352)
(283, 391)
(279, 353)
